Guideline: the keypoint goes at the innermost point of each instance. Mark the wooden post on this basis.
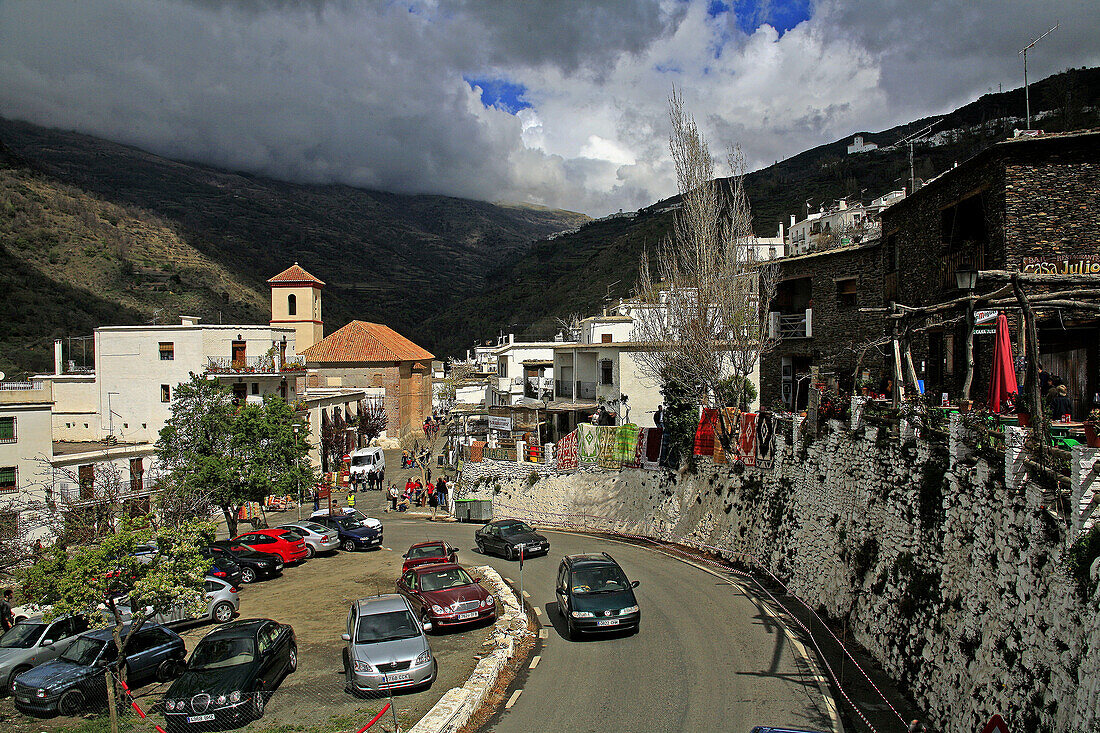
(899, 375)
(111, 709)
(912, 370)
(969, 378)
(1031, 378)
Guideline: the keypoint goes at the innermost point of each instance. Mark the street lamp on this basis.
(966, 279)
(297, 478)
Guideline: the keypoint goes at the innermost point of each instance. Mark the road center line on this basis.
(535, 661)
(512, 699)
(538, 611)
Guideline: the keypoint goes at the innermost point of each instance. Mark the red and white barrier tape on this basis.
(673, 550)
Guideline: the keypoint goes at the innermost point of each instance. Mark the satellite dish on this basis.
(2, 375)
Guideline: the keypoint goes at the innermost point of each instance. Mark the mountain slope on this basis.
(216, 236)
(578, 272)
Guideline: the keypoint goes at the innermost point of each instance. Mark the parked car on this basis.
(74, 681)
(446, 595)
(432, 552)
(386, 648)
(222, 604)
(506, 537)
(289, 546)
(354, 535)
(595, 595)
(35, 641)
(318, 538)
(353, 513)
(254, 565)
(231, 675)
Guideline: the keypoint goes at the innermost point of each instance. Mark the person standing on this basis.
(351, 499)
(441, 493)
(393, 497)
(433, 500)
(7, 618)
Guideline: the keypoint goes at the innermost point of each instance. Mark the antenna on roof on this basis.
(1023, 52)
(909, 140)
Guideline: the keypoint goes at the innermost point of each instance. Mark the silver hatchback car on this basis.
(317, 537)
(386, 647)
(34, 641)
(222, 604)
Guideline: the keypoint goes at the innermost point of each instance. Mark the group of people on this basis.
(432, 424)
(376, 479)
(1056, 394)
(433, 495)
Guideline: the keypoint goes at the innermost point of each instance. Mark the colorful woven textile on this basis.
(476, 449)
(639, 451)
(651, 459)
(587, 442)
(746, 439)
(626, 443)
(704, 434)
(765, 440)
(608, 445)
(567, 452)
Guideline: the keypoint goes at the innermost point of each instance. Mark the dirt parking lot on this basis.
(314, 598)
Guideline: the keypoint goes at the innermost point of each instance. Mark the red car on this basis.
(284, 543)
(446, 595)
(432, 552)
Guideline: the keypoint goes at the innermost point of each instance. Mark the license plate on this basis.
(200, 718)
(466, 616)
(399, 677)
(608, 622)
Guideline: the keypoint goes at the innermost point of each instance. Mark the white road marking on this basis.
(526, 594)
(512, 699)
(535, 661)
(509, 581)
(538, 611)
(543, 633)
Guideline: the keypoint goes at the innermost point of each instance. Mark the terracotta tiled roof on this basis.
(360, 341)
(295, 274)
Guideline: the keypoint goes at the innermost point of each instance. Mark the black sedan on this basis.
(506, 537)
(253, 565)
(230, 676)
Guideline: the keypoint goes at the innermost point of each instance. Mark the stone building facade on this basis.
(817, 320)
(1028, 204)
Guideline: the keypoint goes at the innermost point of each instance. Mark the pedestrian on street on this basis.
(351, 499)
(393, 497)
(433, 500)
(7, 618)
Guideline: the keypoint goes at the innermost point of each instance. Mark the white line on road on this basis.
(535, 661)
(543, 634)
(538, 611)
(512, 699)
(509, 581)
(526, 594)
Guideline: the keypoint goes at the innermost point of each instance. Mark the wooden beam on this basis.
(969, 378)
(1031, 378)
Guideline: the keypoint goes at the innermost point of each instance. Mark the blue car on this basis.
(354, 533)
(74, 681)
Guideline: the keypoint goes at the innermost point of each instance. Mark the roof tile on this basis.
(295, 274)
(361, 341)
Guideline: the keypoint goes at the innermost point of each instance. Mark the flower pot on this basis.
(865, 391)
(1024, 419)
(964, 406)
(1091, 436)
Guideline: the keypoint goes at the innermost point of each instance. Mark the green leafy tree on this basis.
(228, 455)
(107, 583)
(680, 418)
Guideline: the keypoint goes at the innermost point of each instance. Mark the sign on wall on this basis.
(985, 322)
(1050, 265)
(500, 423)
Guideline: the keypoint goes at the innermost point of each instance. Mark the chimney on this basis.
(781, 233)
(843, 204)
(58, 357)
(792, 220)
(511, 338)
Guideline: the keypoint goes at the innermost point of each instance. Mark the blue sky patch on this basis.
(500, 93)
(780, 14)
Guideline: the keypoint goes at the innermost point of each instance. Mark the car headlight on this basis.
(629, 609)
(363, 666)
(582, 614)
(169, 704)
(39, 692)
(424, 658)
(488, 601)
(221, 700)
(438, 609)
(235, 696)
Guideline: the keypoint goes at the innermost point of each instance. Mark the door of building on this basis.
(238, 352)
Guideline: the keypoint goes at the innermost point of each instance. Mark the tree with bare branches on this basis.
(704, 292)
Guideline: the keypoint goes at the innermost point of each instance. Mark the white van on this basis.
(366, 461)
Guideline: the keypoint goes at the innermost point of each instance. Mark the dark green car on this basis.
(594, 595)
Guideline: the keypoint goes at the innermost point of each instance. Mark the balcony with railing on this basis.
(791, 325)
(265, 364)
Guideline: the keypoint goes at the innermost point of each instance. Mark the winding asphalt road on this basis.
(707, 658)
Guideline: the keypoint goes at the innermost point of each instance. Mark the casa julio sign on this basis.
(1051, 265)
(500, 423)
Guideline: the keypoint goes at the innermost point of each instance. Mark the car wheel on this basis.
(293, 663)
(11, 677)
(248, 575)
(480, 547)
(258, 703)
(509, 552)
(71, 703)
(571, 630)
(310, 552)
(223, 612)
(168, 669)
(348, 545)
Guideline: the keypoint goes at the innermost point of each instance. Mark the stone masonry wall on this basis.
(953, 582)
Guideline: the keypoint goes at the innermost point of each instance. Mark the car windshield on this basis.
(360, 460)
(314, 527)
(389, 626)
(84, 651)
(444, 579)
(429, 551)
(22, 636)
(348, 522)
(289, 535)
(222, 652)
(513, 528)
(605, 579)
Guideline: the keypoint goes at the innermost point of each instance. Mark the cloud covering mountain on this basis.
(550, 103)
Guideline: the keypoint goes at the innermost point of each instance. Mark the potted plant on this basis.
(1092, 425)
(963, 405)
(1023, 409)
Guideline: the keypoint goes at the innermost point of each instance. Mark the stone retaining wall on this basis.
(953, 582)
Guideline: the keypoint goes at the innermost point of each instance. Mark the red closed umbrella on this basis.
(1002, 382)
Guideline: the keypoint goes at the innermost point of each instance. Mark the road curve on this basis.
(707, 658)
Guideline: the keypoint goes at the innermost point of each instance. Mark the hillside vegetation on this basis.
(147, 235)
(580, 272)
